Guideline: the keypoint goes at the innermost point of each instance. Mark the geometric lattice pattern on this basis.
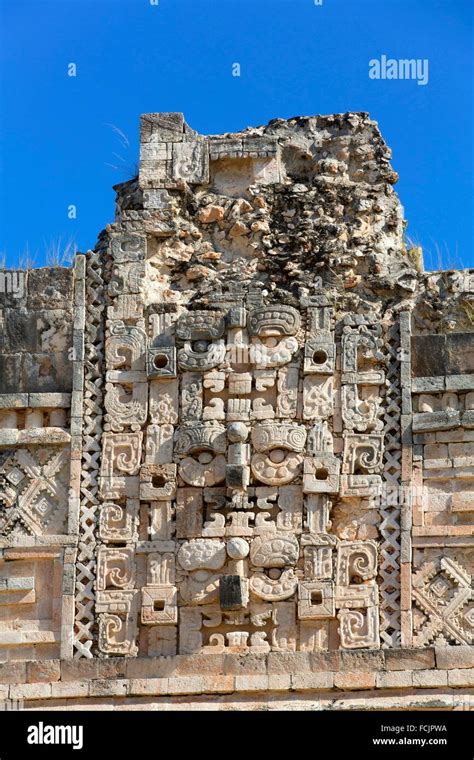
(389, 527)
(92, 430)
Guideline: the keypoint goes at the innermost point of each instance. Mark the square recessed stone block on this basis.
(316, 600)
(159, 605)
(161, 362)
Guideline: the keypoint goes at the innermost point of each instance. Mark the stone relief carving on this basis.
(251, 457)
(34, 486)
(242, 446)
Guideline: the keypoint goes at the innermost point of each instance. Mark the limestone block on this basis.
(305, 681)
(448, 658)
(435, 421)
(321, 474)
(128, 248)
(191, 162)
(161, 362)
(159, 605)
(357, 680)
(161, 127)
(429, 678)
(157, 482)
(50, 288)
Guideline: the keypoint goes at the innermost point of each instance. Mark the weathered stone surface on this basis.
(400, 679)
(45, 670)
(418, 659)
(428, 678)
(76, 670)
(249, 664)
(13, 672)
(461, 677)
(442, 354)
(236, 438)
(366, 661)
(70, 690)
(251, 683)
(448, 658)
(148, 685)
(50, 288)
(356, 680)
(312, 681)
(30, 691)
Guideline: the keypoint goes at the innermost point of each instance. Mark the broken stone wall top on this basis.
(287, 201)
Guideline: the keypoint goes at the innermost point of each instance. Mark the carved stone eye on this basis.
(200, 346)
(277, 455)
(271, 342)
(204, 457)
(320, 357)
(160, 361)
(322, 473)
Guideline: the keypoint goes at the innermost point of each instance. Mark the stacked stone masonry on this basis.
(242, 428)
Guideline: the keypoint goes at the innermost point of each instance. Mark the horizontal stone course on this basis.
(30, 691)
(251, 683)
(70, 689)
(12, 672)
(251, 664)
(404, 682)
(108, 687)
(288, 662)
(144, 686)
(46, 671)
(428, 663)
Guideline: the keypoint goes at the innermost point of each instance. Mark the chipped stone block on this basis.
(50, 288)
(191, 162)
(233, 592)
(13, 400)
(427, 421)
(161, 127)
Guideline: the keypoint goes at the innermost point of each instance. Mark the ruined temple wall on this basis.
(269, 449)
(442, 458)
(41, 368)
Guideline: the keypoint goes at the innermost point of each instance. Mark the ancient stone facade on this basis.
(241, 429)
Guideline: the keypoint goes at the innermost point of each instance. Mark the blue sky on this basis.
(58, 142)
